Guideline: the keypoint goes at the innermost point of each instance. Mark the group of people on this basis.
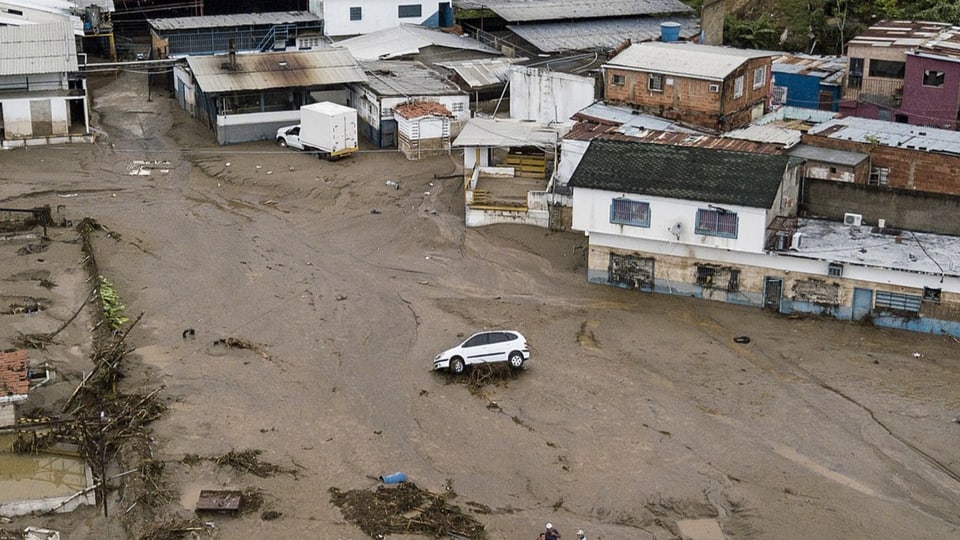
(551, 533)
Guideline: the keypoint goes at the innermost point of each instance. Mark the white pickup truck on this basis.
(326, 129)
(289, 136)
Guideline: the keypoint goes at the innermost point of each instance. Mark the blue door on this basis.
(862, 303)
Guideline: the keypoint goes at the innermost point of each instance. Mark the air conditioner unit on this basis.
(853, 220)
(714, 88)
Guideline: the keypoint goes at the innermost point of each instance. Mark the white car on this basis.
(289, 136)
(484, 348)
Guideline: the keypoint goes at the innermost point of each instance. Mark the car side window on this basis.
(509, 336)
(476, 341)
(295, 131)
(499, 337)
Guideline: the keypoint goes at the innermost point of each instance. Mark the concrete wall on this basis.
(375, 15)
(692, 100)
(591, 213)
(806, 286)
(909, 168)
(546, 96)
(237, 128)
(901, 209)
(35, 117)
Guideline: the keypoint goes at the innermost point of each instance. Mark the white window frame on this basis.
(655, 87)
(618, 79)
(759, 77)
(738, 87)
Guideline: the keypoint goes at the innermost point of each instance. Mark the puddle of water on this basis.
(27, 477)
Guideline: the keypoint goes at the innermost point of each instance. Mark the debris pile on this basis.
(405, 509)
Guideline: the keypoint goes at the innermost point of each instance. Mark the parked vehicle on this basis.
(327, 129)
(483, 348)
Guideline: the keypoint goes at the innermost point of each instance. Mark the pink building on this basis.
(905, 71)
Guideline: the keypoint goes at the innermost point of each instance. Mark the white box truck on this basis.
(326, 128)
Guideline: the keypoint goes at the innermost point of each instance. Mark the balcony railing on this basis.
(883, 92)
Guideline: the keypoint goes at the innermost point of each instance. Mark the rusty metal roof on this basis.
(946, 44)
(829, 69)
(265, 71)
(398, 78)
(37, 48)
(231, 21)
(903, 34)
(586, 131)
(13, 373)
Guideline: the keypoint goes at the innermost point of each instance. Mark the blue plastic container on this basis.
(394, 478)
(669, 31)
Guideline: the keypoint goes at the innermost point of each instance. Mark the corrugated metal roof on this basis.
(687, 59)
(503, 132)
(830, 69)
(546, 10)
(484, 71)
(263, 71)
(588, 131)
(828, 155)
(18, 13)
(408, 39)
(891, 134)
(767, 133)
(38, 48)
(230, 21)
(63, 7)
(394, 78)
(604, 34)
(946, 44)
(898, 34)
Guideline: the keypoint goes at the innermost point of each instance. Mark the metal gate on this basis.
(772, 294)
(862, 303)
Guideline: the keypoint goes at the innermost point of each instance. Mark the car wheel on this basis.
(282, 142)
(457, 366)
(516, 360)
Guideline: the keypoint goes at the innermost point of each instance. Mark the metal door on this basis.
(388, 133)
(862, 303)
(772, 294)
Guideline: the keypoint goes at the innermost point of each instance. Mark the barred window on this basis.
(408, 11)
(356, 13)
(628, 212)
(655, 82)
(716, 223)
(898, 301)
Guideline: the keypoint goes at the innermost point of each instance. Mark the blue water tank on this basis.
(669, 31)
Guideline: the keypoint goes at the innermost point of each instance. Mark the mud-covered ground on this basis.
(636, 413)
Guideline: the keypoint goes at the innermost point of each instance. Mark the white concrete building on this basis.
(548, 96)
(43, 96)
(393, 83)
(354, 17)
(722, 225)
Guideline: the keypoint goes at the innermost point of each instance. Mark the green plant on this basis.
(110, 304)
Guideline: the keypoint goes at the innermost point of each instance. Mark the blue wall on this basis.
(804, 91)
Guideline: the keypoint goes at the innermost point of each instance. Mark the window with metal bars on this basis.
(629, 212)
(716, 223)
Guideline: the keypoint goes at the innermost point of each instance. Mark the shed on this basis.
(423, 128)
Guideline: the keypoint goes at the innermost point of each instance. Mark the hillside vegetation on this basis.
(819, 26)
